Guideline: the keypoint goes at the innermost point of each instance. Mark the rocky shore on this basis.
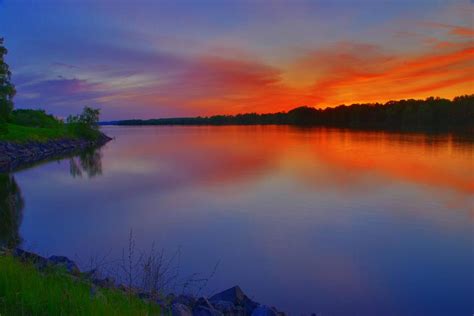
(16, 155)
(231, 302)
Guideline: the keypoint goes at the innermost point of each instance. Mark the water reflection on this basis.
(88, 162)
(311, 220)
(11, 211)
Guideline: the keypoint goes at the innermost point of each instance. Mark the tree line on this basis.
(428, 114)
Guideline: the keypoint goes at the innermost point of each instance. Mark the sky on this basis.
(163, 58)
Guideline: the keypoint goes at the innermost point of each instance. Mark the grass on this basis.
(22, 134)
(26, 291)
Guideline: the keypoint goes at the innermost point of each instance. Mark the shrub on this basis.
(89, 117)
(85, 125)
(35, 118)
(83, 131)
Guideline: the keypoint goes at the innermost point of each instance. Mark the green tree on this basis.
(89, 117)
(7, 89)
(85, 125)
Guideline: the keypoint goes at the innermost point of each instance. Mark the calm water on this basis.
(310, 220)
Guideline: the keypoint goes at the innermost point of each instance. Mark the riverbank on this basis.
(25, 290)
(56, 286)
(14, 155)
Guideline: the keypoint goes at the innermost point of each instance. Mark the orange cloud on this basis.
(455, 30)
(368, 75)
(345, 72)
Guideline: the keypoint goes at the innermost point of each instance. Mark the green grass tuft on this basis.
(26, 291)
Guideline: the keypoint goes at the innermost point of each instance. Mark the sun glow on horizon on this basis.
(235, 57)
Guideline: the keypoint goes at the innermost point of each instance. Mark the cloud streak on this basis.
(137, 73)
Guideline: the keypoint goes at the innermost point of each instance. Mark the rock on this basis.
(202, 301)
(228, 308)
(236, 296)
(179, 309)
(264, 310)
(206, 311)
(185, 299)
(65, 262)
(162, 302)
(171, 297)
(38, 261)
(13, 156)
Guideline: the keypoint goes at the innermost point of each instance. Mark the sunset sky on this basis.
(145, 59)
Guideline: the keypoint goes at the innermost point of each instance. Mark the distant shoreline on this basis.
(431, 114)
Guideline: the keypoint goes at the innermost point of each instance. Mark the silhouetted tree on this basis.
(7, 89)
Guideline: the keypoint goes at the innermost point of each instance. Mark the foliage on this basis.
(82, 131)
(36, 125)
(85, 125)
(26, 291)
(89, 117)
(7, 89)
(429, 114)
(34, 118)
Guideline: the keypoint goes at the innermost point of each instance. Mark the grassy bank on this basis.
(26, 291)
(22, 134)
(36, 125)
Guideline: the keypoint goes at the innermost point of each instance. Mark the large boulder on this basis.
(206, 311)
(236, 296)
(264, 310)
(179, 309)
(203, 307)
(184, 299)
(229, 309)
(66, 263)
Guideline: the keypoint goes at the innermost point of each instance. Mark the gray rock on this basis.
(264, 310)
(162, 302)
(236, 296)
(179, 309)
(206, 311)
(229, 309)
(65, 262)
(202, 301)
(185, 299)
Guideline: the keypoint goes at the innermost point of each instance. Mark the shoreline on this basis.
(15, 155)
(230, 302)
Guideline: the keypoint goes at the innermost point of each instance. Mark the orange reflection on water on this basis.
(317, 156)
